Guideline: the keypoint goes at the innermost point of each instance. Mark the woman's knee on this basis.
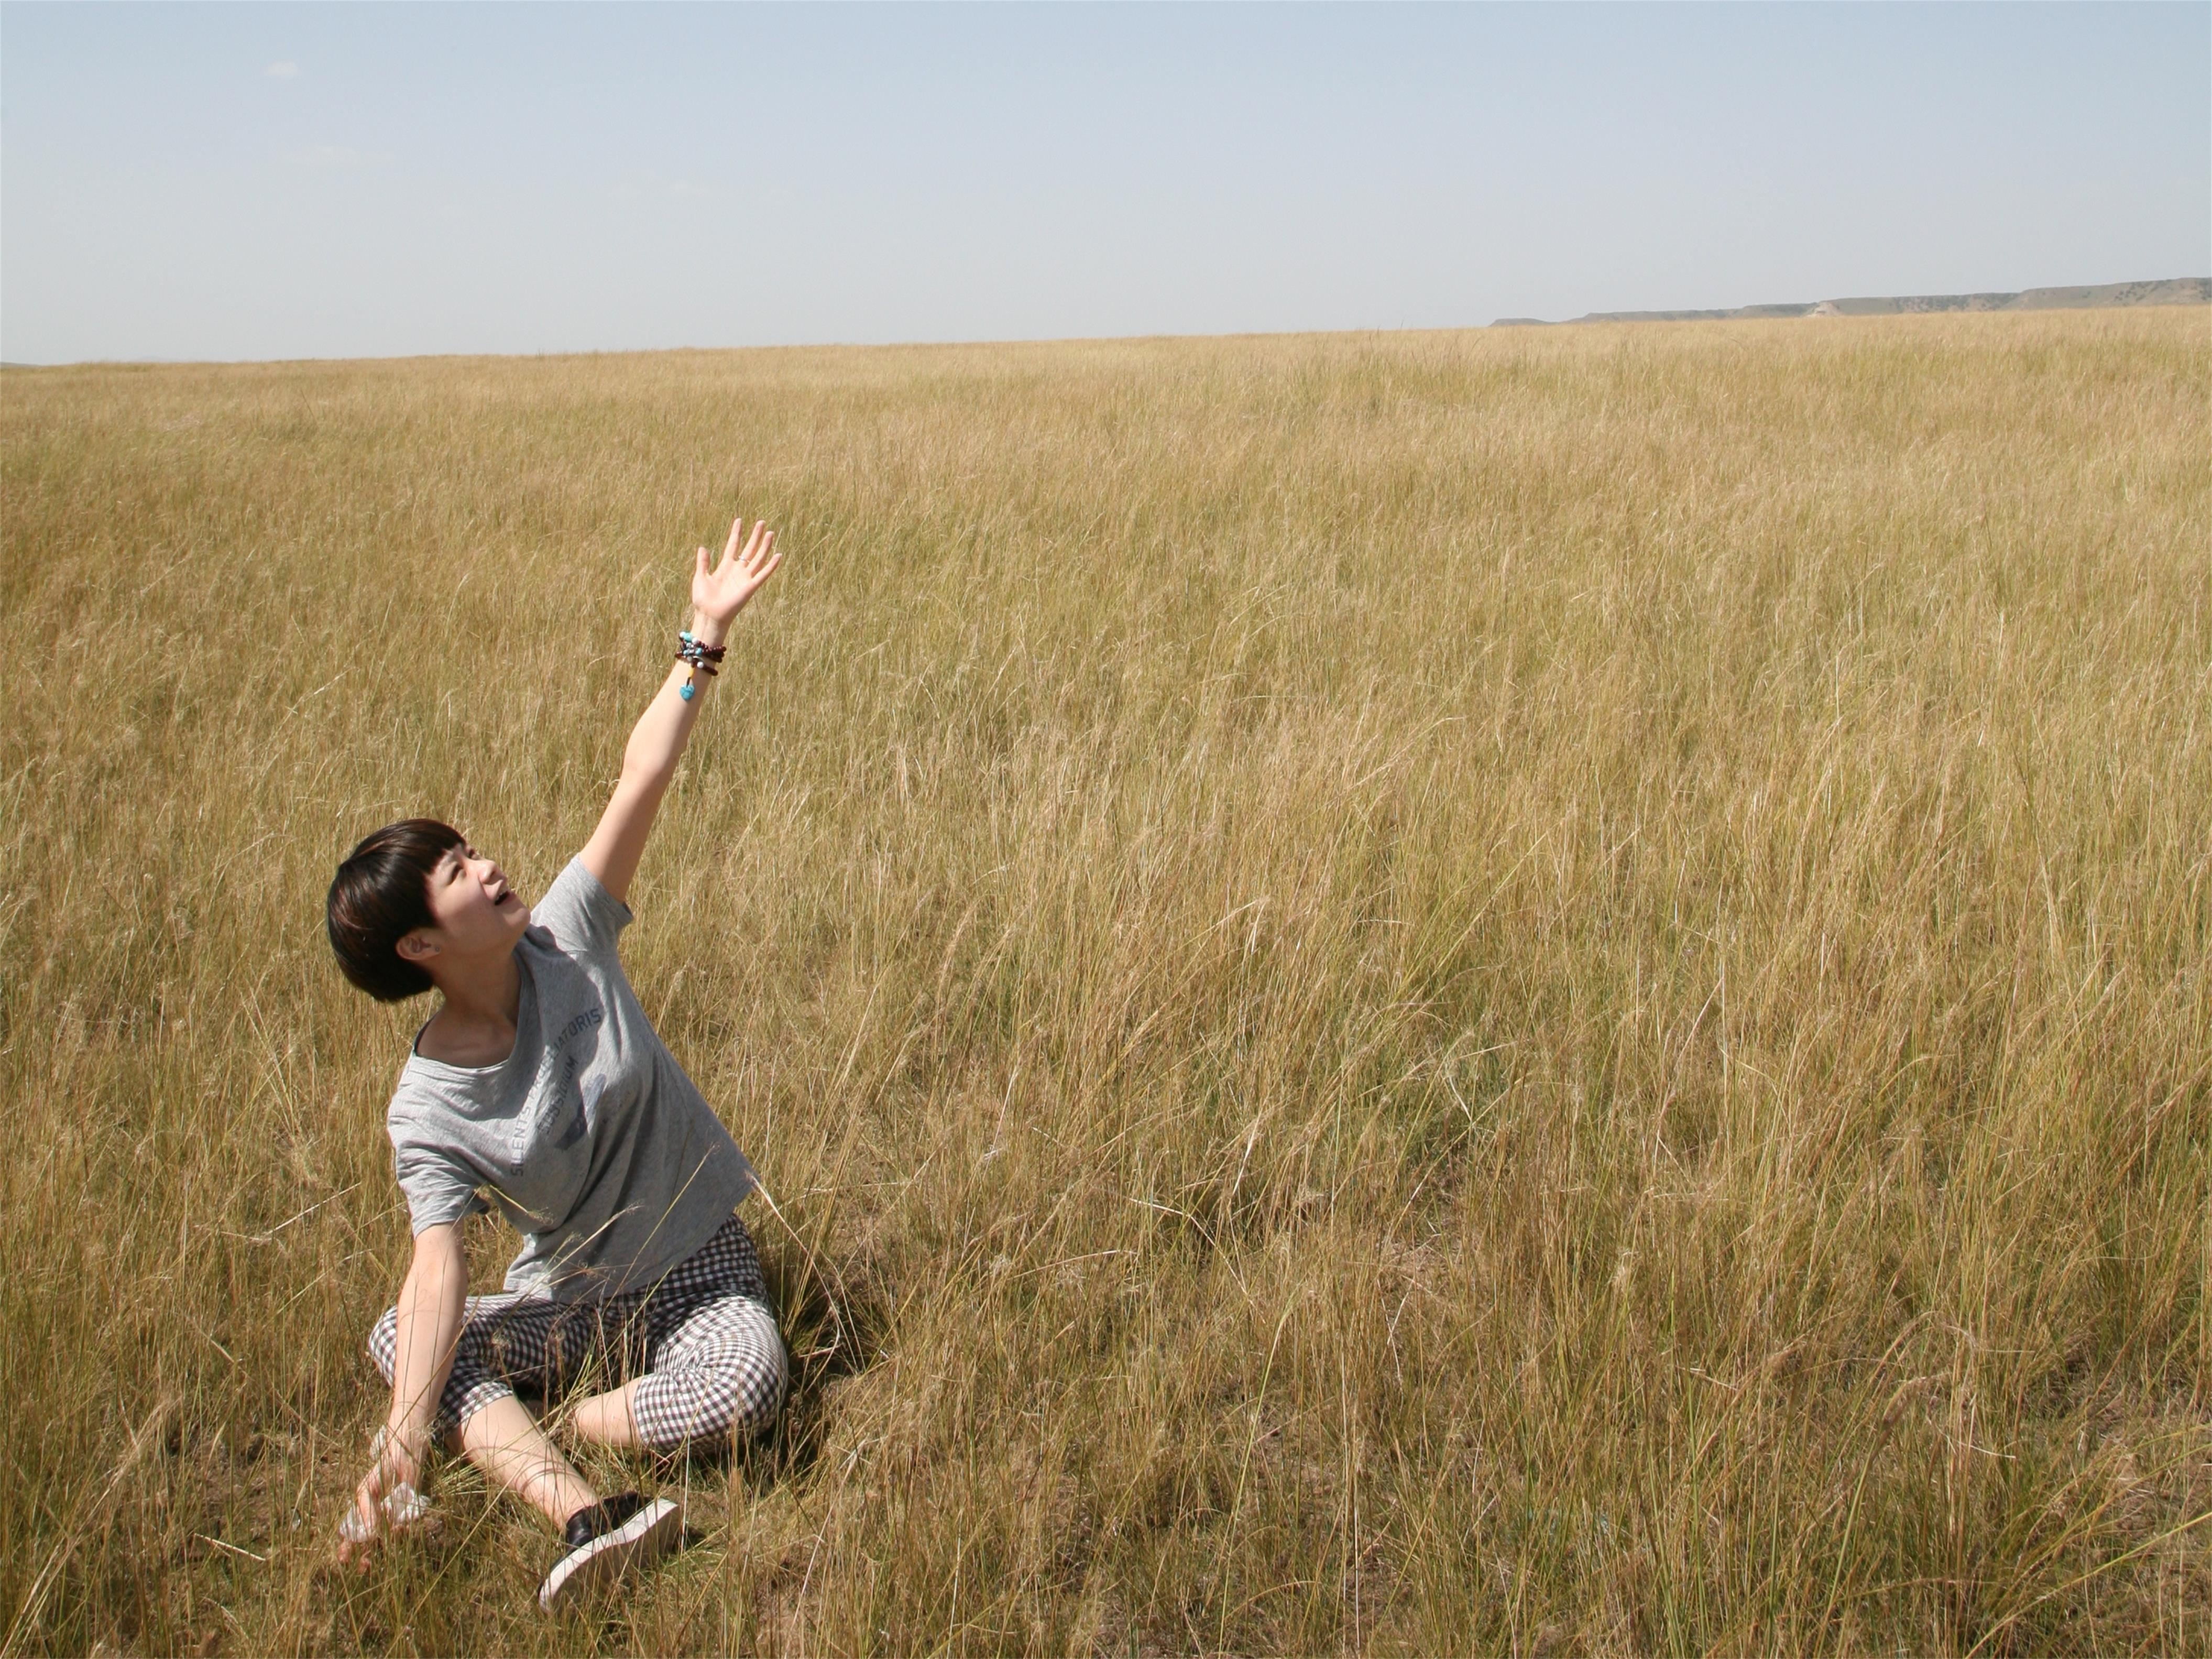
(723, 1389)
(384, 1342)
(763, 1375)
(471, 1385)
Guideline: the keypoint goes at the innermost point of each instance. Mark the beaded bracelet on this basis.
(697, 654)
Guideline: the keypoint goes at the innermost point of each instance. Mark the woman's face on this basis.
(476, 912)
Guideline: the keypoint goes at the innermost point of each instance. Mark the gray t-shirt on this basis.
(591, 1139)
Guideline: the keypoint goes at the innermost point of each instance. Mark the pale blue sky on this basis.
(282, 181)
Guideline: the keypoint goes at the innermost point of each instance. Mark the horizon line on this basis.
(1782, 312)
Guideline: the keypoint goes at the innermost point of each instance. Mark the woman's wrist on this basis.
(707, 631)
(403, 1444)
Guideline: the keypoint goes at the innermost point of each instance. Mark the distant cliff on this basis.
(2175, 291)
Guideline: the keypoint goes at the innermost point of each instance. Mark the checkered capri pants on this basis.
(702, 1345)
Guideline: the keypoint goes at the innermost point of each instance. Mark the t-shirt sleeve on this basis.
(583, 917)
(438, 1186)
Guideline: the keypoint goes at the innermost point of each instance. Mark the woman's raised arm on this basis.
(657, 744)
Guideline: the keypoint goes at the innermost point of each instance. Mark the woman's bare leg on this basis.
(606, 1419)
(505, 1441)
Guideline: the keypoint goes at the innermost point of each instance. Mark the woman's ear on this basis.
(416, 946)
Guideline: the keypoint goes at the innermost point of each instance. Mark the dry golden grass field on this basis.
(1517, 991)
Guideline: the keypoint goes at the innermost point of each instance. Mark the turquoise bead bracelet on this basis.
(698, 654)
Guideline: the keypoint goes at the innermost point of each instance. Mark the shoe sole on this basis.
(647, 1536)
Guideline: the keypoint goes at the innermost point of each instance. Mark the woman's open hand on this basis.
(718, 594)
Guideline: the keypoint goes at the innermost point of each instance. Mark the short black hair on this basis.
(381, 894)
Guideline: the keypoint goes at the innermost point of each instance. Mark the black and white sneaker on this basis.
(606, 1540)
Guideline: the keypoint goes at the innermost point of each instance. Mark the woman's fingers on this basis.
(754, 560)
(358, 1531)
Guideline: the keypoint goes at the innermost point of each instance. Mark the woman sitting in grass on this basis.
(540, 1080)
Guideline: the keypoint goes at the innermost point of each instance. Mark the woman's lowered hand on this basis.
(389, 1497)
